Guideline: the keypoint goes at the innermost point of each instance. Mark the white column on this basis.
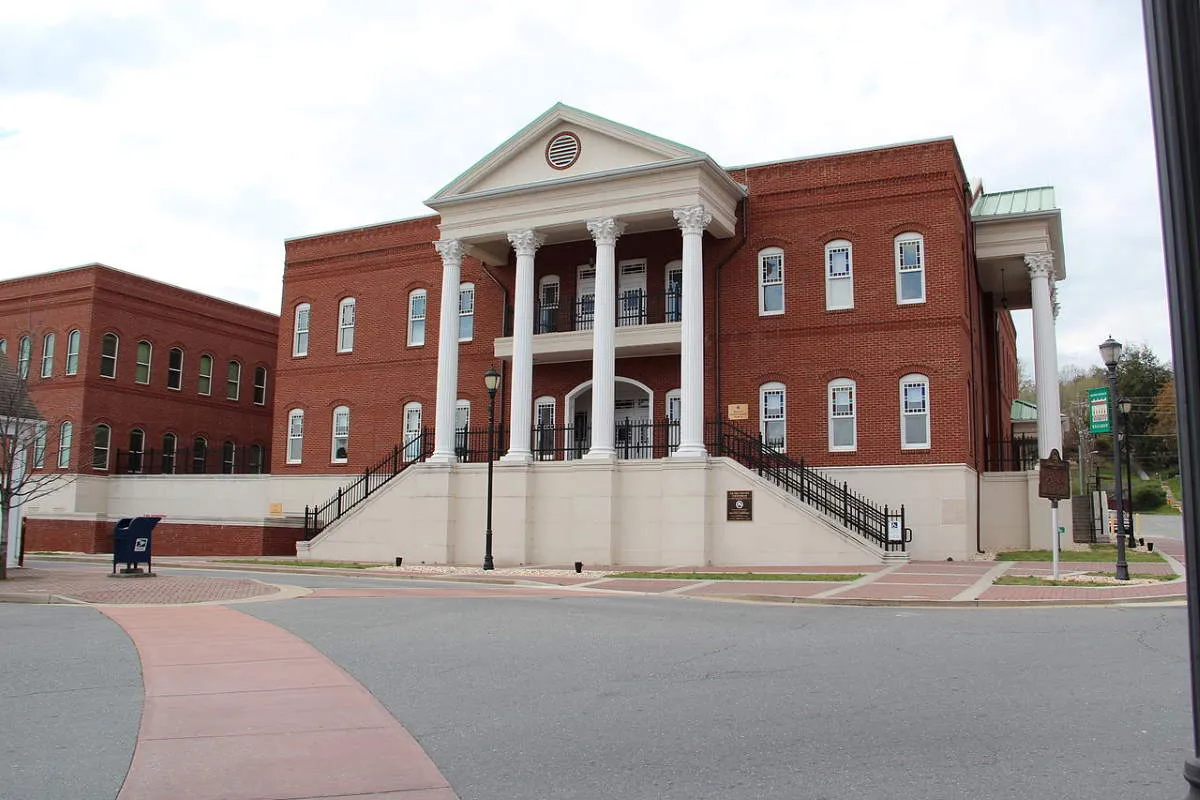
(451, 251)
(692, 221)
(1045, 353)
(526, 244)
(604, 335)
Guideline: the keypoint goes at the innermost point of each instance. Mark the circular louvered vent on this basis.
(563, 150)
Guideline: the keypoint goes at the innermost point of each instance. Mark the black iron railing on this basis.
(881, 525)
(632, 439)
(1013, 455)
(211, 460)
(316, 518)
(634, 307)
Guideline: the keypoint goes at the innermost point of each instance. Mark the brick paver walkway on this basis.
(95, 586)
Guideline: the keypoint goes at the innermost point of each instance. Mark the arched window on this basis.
(544, 413)
(300, 334)
(260, 386)
(466, 312)
(39, 446)
(295, 436)
(228, 458)
(548, 305)
(170, 444)
(772, 416)
(910, 268)
(204, 382)
(137, 445)
(674, 414)
(175, 369)
(233, 380)
(413, 440)
(416, 318)
(839, 275)
(141, 373)
(770, 281)
(341, 435)
(914, 412)
(66, 432)
(674, 310)
(255, 461)
(24, 354)
(72, 353)
(199, 455)
(109, 345)
(843, 421)
(47, 355)
(345, 342)
(100, 443)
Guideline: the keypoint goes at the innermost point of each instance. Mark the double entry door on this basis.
(631, 294)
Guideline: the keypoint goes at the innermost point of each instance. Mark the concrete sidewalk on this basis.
(950, 584)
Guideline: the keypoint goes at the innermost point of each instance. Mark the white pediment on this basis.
(601, 146)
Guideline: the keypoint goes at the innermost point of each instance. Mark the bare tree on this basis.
(22, 454)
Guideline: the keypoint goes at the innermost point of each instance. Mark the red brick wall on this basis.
(868, 198)
(170, 539)
(97, 300)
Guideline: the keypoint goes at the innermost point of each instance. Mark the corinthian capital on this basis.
(1041, 265)
(451, 250)
(692, 219)
(527, 242)
(605, 230)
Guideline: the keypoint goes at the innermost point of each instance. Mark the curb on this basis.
(948, 604)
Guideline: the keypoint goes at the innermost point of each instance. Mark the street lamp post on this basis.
(491, 380)
(1110, 353)
(1126, 405)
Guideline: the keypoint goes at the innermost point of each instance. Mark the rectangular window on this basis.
(914, 398)
(839, 285)
(770, 281)
(341, 434)
(48, 355)
(416, 318)
(295, 444)
(841, 417)
(24, 354)
(233, 381)
(466, 313)
(39, 447)
(141, 373)
(108, 355)
(65, 432)
(204, 386)
(175, 369)
(300, 338)
(260, 386)
(346, 326)
(100, 447)
(73, 353)
(910, 271)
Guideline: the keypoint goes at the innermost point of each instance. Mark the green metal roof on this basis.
(1018, 201)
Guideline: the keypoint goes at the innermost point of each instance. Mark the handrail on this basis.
(316, 518)
(881, 525)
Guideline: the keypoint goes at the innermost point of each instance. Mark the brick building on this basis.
(137, 376)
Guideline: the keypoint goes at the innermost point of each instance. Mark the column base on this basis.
(690, 451)
(600, 454)
(518, 456)
(442, 458)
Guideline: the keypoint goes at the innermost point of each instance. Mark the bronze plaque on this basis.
(739, 411)
(1054, 482)
(739, 506)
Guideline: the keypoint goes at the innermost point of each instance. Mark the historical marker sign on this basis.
(1098, 406)
(739, 506)
(738, 411)
(1054, 480)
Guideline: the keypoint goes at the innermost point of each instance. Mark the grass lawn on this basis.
(1098, 552)
(1028, 580)
(291, 562)
(740, 576)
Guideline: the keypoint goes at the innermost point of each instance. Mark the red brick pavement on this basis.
(95, 586)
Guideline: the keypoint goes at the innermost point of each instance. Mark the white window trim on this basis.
(916, 378)
(107, 446)
(295, 433)
(305, 310)
(173, 453)
(762, 256)
(257, 371)
(465, 289)
(346, 328)
(333, 446)
(39, 445)
(763, 390)
(66, 433)
(412, 444)
(176, 372)
(72, 365)
(200, 374)
(901, 239)
(236, 383)
(115, 356)
(138, 363)
(412, 298)
(843, 383)
(228, 465)
(48, 343)
(24, 356)
(831, 280)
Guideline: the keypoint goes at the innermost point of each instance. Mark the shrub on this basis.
(1148, 497)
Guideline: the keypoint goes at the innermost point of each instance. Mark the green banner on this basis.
(1098, 411)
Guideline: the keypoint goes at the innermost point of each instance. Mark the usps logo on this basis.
(140, 544)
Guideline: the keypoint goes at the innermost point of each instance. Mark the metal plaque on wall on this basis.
(739, 506)
(739, 411)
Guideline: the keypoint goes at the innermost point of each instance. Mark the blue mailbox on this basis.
(133, 539)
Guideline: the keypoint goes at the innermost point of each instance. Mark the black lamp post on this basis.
(491, 379)
(1110, 353)
(1126, 405)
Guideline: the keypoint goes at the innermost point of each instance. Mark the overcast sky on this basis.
(186, 141)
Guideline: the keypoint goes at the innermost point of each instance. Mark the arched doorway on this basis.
(633, 404)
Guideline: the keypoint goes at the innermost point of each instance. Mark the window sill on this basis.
(916, 447)
(779, 313)
(910, 302)
(839, 308)
(843, 449)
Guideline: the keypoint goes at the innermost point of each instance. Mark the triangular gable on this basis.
(603, 146)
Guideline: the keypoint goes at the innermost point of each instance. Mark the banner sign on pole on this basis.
(1098, 406)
